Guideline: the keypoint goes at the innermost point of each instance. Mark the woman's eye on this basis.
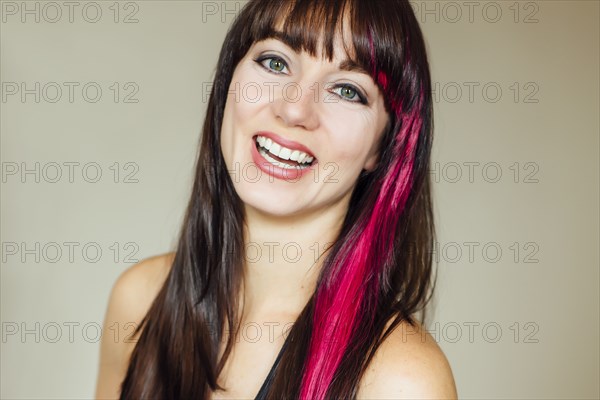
(275, 64)
(350, 93)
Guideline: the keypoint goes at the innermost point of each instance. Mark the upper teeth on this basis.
(283, 152)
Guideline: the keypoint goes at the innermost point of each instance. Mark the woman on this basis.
(310, 221)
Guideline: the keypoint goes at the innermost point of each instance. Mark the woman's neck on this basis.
(284, 256)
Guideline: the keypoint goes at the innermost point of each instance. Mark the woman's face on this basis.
(285, 109)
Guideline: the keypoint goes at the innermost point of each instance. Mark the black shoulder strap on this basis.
(264, 389)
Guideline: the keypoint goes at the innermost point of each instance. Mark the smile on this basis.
(281, 156)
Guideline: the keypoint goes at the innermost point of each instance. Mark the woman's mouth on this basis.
(281, 156)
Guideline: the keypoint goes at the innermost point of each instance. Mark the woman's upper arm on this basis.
(409, 364)
(129, 301)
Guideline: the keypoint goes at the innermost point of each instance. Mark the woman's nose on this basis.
(296, 106)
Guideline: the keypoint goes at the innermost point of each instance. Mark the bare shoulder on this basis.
(135, 290)
(130, 299)
(139, 284)
(409, 364)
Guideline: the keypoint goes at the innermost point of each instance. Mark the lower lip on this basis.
(291, 174)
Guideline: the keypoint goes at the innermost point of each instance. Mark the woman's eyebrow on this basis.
(349, 65)
(281, 36)
(346, 65)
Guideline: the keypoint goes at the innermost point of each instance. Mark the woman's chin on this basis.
(275, 204)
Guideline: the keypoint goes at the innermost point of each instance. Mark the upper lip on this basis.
(290, 144)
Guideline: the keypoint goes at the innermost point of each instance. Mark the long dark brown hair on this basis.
(384, 248)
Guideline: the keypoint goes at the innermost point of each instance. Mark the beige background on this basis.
(523, 324)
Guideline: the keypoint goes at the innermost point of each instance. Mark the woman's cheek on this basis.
(350, 136)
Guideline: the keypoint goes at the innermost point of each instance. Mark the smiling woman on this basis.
(327, 158)
(335, 117)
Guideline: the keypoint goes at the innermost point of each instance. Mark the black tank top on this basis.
(262, 393)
